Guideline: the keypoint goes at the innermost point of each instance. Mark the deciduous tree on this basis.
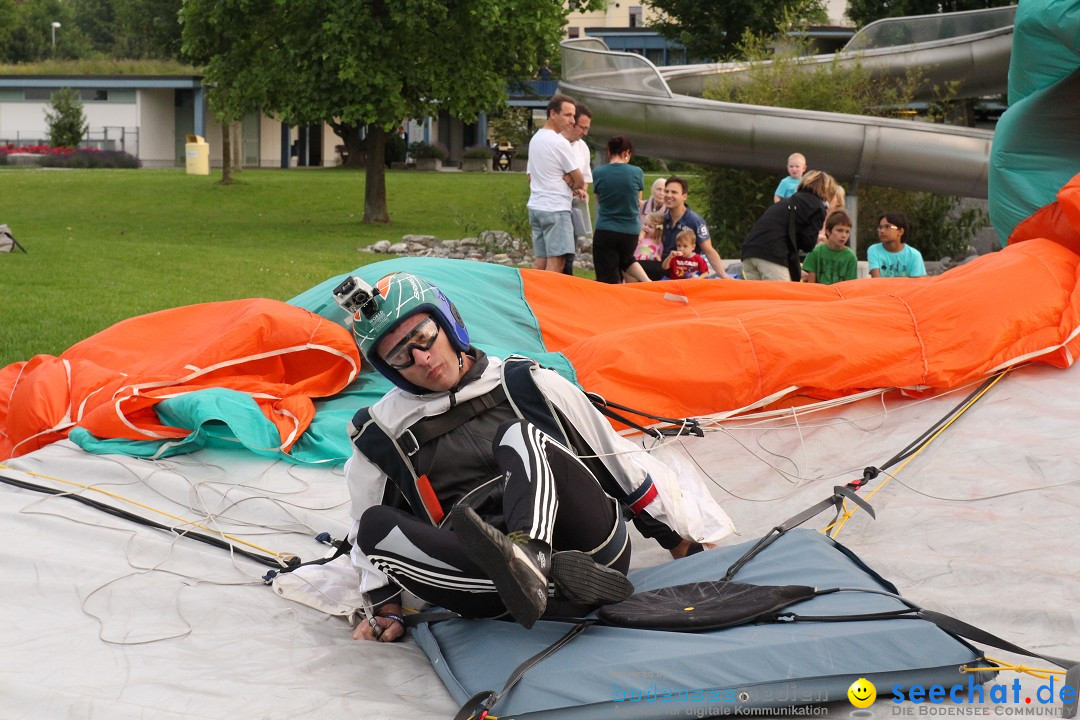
(29, 33)
(712, 30)
(230, 39)
(137, 29)
(7, 19)
(373, 63)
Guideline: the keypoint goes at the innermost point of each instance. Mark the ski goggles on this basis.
(421, 337)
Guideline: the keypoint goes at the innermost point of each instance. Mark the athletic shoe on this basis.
(581, 579)
(519, 567)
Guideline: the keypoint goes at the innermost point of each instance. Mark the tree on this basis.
(67, 122)
(29, 33)
(152, 29)
(364, 66)
(136, 29)
(513, 125)
(862, 12)
(97, 20)
(7, 19)
(229, 37)
(713, 30)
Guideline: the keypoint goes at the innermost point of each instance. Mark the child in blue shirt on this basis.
(796, 167)
(892, 257)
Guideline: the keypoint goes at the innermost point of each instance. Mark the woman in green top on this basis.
(617, 186)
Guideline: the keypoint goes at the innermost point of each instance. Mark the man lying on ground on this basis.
(491, 487)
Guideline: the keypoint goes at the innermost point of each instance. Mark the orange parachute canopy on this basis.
(279, 355)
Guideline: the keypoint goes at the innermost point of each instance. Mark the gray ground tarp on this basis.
(104, 619)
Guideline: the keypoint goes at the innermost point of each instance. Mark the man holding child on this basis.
(677, 218)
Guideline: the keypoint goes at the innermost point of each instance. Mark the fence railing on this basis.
(891, 32)
(587, 61)
(113, 137)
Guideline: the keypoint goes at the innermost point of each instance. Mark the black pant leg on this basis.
(606, 257)
(427, 561)
(550, 494)
(652, 268)
(568, 263)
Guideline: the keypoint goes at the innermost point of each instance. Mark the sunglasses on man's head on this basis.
(890, 226)
(421, 337)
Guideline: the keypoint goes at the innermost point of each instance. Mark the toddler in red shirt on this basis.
(684, 262)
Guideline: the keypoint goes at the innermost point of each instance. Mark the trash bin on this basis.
(197, 154)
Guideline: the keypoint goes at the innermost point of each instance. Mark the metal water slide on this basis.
(661, 109)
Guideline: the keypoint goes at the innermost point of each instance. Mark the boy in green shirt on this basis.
(833, 261)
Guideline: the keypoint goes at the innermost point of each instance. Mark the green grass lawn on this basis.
(105, 245)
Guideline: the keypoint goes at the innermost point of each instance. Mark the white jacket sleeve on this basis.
(366, 483)
(683, 503)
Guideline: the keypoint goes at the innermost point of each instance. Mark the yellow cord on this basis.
(1041, 673)
(281, 557)
(849, 511)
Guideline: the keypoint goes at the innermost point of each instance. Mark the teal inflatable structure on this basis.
(1036, 146)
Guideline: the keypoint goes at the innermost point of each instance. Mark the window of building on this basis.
(573, 32)
(85, 94)
(635, 16)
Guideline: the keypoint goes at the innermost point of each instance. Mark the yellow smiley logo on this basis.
(862, 693)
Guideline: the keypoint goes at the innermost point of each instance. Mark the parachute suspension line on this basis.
(910, 452)
(223, 540)
(682, 426)
(802, 444)
(1041, 673)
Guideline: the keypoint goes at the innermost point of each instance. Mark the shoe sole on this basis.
(581, 579)
(519, 587)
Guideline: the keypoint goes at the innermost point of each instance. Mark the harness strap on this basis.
(957, 628)
(341, 547)
(480, 705)
(426, 430)
(793, 244)
(840, 493)
(279, 562)
(605, 410)
(954, 626)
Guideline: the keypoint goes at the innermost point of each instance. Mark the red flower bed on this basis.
(42, 149)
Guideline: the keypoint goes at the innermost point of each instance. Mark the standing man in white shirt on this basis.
(554, 176)
(579, 208)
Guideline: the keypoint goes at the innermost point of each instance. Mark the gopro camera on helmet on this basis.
(354, 295)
